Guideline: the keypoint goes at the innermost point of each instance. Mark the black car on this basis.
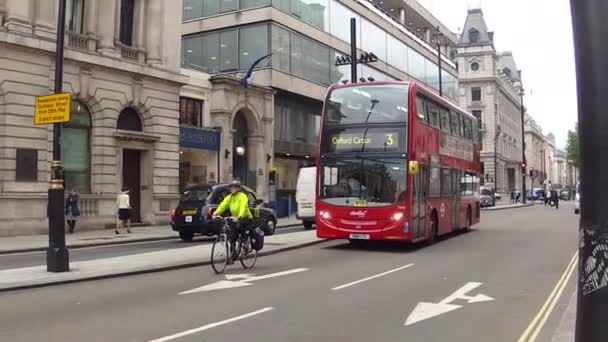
(197, 204)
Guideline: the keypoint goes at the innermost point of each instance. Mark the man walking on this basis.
(555, 199)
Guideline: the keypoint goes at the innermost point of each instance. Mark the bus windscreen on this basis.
(363, 181)
(382, 103)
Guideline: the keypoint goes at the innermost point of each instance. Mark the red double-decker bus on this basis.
(395, 162)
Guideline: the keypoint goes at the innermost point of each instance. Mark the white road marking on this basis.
(245, 280)
(372, 277)
(425, 310)
(211, 325)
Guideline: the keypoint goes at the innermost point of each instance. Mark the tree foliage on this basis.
(572, 147)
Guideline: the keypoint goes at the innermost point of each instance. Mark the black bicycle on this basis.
(223, 252)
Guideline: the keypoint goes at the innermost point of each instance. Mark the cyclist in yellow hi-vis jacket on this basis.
(238, 205)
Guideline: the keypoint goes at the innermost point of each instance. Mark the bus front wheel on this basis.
(469, 220)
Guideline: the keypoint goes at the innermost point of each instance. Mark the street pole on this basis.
(438, 38)
(57, 255)
(523, 145)
(590, 25)
(353, 50)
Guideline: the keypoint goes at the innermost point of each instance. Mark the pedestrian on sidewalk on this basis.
(123, 202)
(517, 197)
(72, 211)
(555, 199)
(512, 196)
(547, 196)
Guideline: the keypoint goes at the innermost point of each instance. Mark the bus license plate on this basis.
(359, 236)
(360, 203)
(188, 219)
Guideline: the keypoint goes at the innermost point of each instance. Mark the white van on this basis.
(305, 196)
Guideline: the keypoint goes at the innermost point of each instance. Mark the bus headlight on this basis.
(397, 216)
(325, 215)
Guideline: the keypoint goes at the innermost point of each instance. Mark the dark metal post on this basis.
(439, 37)
(353, 50)
(591, 51)
(57, 255)
(219, 149)
(523, 146)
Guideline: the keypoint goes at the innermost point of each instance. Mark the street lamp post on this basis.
(438, 40)
(57, 255)
(523, 143)
(496, 135)
(591, 51)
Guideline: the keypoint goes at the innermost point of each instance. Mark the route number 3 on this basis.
(389, 139)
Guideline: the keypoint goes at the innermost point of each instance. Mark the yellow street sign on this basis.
(52, 109)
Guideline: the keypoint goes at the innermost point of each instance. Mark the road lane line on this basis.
(372, 277)
(211, 325)
(541, 317)
(548, 312)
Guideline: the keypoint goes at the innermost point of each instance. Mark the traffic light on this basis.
(531, 172)
(523, 168)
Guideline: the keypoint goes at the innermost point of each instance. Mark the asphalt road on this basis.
(486, 285)
(17, 260)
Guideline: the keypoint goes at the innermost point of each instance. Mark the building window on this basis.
(191, 112)
(127, 10)
(75, 148)
(128, 120)
(476, 94)
(253, 44)
(473, 36)
(474, 66)
(75, 12)
(26, 169)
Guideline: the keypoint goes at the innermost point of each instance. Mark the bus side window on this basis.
(421, 109)
(433, 112)
(446, 182)
(435, 182)
(445, 120)
(455, 120)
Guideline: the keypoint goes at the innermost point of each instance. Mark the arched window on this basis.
(76, 149)
(128, 120)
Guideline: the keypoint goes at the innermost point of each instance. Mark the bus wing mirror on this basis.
(414, 167)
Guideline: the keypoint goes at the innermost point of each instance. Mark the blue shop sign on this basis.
(199, 138)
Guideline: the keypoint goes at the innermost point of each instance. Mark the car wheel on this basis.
(270, 226)
(307, 224)
(186, 236)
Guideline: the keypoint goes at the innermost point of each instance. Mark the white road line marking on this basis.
(211, 325)
(245, 280)
(540, 319)
(372, 277)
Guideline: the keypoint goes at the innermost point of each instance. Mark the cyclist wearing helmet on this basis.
(238, 205)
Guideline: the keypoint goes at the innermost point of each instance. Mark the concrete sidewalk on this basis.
(105, 237)
(509, 206)
(29, 277)
(566, 327)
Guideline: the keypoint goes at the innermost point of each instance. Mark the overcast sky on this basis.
(539, 33)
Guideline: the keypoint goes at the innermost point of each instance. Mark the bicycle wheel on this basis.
(220, 253)
(249, 256)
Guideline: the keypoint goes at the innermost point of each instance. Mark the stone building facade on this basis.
(490, 87)
(535, 150)
(122, 69)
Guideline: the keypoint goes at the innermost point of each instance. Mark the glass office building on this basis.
(225, 37)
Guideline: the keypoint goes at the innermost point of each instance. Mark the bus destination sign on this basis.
(361, 140)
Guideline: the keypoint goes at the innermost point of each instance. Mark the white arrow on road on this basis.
(425, 310)
(245, 280)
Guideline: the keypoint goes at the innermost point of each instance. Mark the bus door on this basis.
(419, 195)
(456, 175)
